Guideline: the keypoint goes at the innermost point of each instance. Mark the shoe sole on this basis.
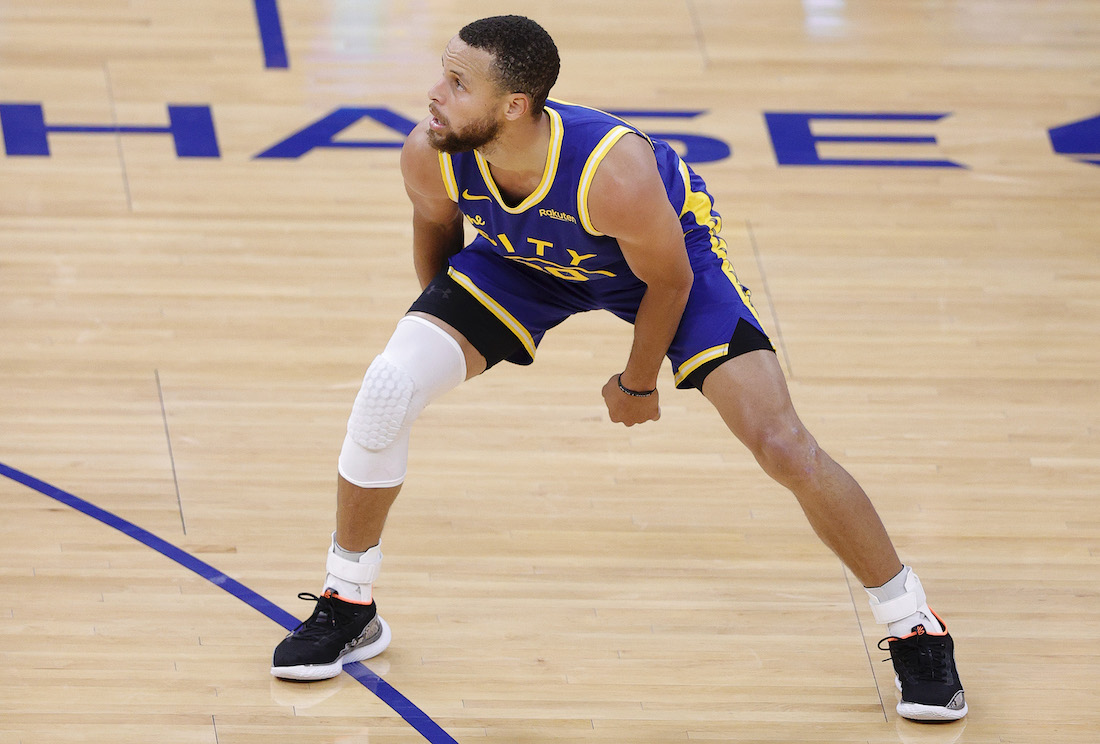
(313, 672)
(928, 713)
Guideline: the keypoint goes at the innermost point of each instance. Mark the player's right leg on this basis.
(448, 336)
(423, 359)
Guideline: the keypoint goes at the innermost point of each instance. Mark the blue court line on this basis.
(401, 705)
(271, 34)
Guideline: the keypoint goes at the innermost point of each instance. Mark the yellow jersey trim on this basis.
(496, 309)
(447, 170)
(697, 361)
(589, 172)
(605, 113)
(550, 170)
(700, 205)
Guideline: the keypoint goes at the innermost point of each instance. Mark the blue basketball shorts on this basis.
(504, 308)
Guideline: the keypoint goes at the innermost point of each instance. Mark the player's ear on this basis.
(519, 105)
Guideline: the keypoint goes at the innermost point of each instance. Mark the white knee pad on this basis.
(421, 362)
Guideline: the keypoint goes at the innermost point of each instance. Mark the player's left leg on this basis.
(750, 393)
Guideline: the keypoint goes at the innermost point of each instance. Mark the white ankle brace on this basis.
(353, 579)
(900, 607)
(900, 613)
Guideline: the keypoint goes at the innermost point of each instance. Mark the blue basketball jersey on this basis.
(550, 230)
(536, 263)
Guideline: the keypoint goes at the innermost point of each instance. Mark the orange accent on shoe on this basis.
(940, 621)
(330, 594)
(921, 630)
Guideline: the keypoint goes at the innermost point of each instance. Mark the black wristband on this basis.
(634, 393)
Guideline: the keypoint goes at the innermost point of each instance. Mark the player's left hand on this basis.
(629, 409)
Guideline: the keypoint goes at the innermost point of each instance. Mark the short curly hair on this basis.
(524, 56)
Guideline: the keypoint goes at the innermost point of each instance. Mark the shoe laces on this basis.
(919, 658)
(322, 620)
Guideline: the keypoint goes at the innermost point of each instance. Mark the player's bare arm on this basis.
(437, 221)
(628, 202)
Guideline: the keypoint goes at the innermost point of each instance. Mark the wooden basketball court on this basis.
(182, 332)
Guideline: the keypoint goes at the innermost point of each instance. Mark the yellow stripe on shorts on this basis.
(496, 309)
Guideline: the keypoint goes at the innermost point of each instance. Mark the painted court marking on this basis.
(401, 705)
(272, 39)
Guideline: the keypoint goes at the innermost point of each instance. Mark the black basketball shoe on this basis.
(925, 666)
(337, 633)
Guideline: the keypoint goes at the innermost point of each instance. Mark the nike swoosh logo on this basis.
(467, 195)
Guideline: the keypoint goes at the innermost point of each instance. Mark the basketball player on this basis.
(577, 210)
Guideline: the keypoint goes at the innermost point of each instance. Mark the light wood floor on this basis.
(549, 577)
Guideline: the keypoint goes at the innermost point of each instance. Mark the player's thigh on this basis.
(719, 323)
(750, 393)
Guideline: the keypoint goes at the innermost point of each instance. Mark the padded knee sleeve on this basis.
(420, 363)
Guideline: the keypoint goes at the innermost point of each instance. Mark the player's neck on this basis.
(519, 153)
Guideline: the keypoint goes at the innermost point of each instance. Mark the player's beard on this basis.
(473, 137)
